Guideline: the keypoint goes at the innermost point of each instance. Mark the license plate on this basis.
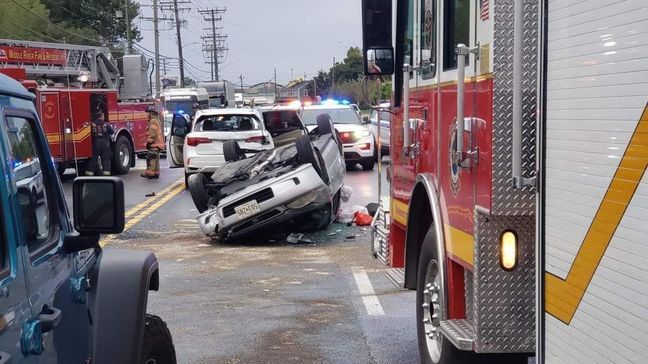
(247, 209)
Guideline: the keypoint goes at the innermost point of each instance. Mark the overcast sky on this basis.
(263, 34)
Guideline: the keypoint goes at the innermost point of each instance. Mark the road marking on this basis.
(150, 200)
(144, 209)
(369, 298)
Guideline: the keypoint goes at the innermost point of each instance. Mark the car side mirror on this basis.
(98, 205)
(365, 119)
(27, 203)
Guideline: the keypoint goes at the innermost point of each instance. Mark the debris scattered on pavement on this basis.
(351, 237)
(296, 238)
(152, 194)
(362, 219)
(334, 232)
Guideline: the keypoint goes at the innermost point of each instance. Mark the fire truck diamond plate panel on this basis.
(506, 199)
(504, 302)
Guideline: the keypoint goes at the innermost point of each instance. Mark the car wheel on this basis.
(157, 347)
(306, 153)
(122, 154)
(187, 180)
(324, 124)
(232, 151)
(199, 195)
(368, 164)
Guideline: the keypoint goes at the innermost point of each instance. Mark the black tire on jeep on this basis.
(306, 153)
(158, 345)
(196, 183)
(232, 151)
(324, 124)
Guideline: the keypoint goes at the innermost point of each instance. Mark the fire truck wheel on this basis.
(122, 156)
(199, 194)
(433, 347)
(158, 345)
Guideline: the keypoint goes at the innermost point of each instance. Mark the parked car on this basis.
(199, 147)
(381, 113)
(357, 141)
(64, 298)
(294, 187)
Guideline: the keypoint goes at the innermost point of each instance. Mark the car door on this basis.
(180, 126)
(15, 310)
(59, 329)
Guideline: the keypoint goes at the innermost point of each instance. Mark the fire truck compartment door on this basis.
(52, 124)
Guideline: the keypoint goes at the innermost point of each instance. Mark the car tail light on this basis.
(254, 139)
(192, 142)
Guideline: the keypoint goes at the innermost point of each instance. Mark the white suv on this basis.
(358, 143)
(200, 147)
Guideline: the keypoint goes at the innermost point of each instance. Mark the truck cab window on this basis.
(25, 163)
(456, 16)
(428, 37)
(409, 34)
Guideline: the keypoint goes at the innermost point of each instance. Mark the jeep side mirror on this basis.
(27, 203)
(98, 205)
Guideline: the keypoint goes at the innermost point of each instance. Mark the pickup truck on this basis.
(63, 298)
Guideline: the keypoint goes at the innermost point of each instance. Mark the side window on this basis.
(428, 36)
(456, 19)
(25, 162)
(4, 246)
(409, 34)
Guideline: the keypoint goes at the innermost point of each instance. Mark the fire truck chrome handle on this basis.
(517, 128)
(463, 52)
(406, 110)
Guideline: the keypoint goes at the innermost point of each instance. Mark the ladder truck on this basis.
(518, 195)
(73, 82)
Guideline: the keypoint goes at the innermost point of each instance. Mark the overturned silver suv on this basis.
(293, 187)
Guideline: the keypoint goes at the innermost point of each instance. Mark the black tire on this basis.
(368, 164)
(186, 180)
(306, 153)
(158, 345)
(324, 124)
(196, 184)
(449, 353)
(232, 151)
(122, 156)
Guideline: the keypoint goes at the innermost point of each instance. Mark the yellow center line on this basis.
(134, 210)
(141, 211)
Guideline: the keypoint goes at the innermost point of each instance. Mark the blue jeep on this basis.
(63, 298)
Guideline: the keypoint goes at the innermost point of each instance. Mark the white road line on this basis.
(369, 298)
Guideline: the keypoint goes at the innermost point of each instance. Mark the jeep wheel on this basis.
(157, 347)
(199, 195)
(122, 156)
(232, 151)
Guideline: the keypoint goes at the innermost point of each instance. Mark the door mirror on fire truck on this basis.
(98, 205)
(426, 60)
(379, 62)
(377, 37)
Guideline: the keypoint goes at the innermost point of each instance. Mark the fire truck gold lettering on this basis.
(564, 296)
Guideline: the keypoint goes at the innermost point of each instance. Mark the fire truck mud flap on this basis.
(118, 297)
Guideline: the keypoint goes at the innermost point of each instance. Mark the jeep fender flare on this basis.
(118, 297)
(424, 212)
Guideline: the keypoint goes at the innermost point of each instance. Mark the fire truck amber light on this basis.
(508, 250)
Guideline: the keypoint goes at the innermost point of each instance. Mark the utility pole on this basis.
(211, 16)
(128, 30)
(173, 6)
(333, 78)
(156, 32)
(275, 84)
(242, 91)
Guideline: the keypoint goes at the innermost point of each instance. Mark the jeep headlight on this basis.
(305, 199)
(361, 134)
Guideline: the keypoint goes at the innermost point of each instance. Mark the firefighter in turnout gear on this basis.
(154, 144)
(101, 132)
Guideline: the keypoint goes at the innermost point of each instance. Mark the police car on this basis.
(358, 142)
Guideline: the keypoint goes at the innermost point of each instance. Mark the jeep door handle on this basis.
(49, 319)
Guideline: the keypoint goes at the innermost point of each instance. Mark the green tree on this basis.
(17, 22)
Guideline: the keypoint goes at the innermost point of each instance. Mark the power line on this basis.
(56, 25)
(33, 31)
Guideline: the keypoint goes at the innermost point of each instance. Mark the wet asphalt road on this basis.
(269, 302)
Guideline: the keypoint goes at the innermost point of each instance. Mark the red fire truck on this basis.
(519, 192)
(71, 83)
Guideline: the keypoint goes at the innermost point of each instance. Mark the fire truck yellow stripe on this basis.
(563, 296)
(399, 211)
(459, 244)
(78, 136)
